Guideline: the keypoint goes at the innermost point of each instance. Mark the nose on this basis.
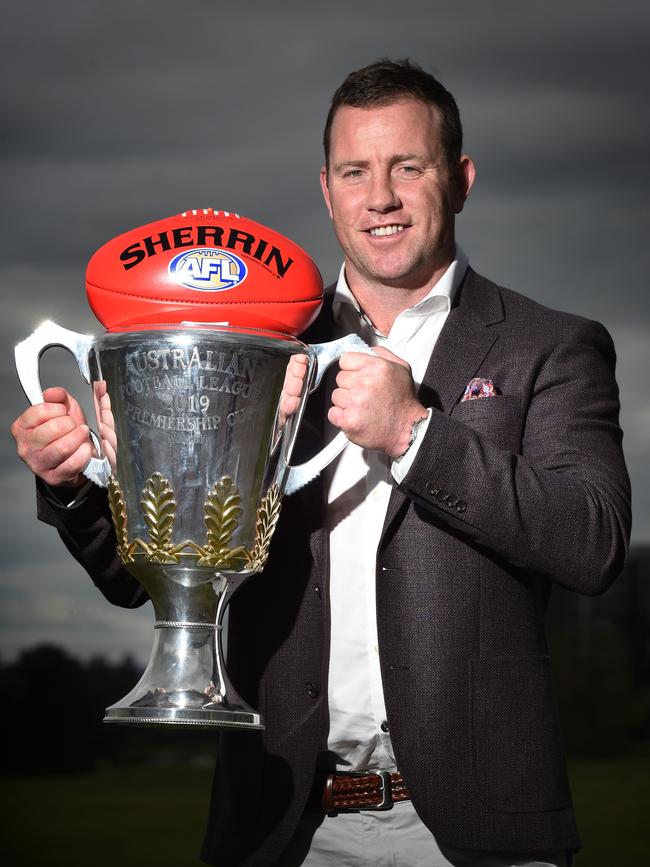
(382, 196)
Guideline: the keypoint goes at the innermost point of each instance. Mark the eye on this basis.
(409, 171)
(352, 174)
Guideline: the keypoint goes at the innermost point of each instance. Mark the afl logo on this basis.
(208, 269)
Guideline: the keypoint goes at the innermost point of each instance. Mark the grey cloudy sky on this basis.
(115, 114)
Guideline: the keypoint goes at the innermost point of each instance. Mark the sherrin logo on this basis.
(208, 269)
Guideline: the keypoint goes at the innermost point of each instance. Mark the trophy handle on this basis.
(27, 354)
(326, 354)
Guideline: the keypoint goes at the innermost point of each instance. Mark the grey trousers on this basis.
(392, 838)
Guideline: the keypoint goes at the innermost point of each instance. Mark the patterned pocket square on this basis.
(477, 388)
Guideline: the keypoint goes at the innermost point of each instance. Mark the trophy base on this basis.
(151, 716)
(184, 684)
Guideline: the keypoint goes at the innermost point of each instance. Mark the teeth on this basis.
(386, 230)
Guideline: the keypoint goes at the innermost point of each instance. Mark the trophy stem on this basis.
(185, 682)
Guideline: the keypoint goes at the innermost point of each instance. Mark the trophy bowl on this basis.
(196, 459)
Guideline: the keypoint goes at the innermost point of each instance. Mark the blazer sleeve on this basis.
(560, 507)
(86, 530)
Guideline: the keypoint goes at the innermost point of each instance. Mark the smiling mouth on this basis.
(382, 231)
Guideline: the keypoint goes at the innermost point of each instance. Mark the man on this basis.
(399, 625)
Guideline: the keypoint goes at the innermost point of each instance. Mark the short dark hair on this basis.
(386, 81)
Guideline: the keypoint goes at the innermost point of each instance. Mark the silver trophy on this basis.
(195, 457)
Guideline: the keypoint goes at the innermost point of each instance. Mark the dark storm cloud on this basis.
(115, 114)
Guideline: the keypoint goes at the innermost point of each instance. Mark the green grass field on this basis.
(149, 817)
(154, 816)
(612, 802)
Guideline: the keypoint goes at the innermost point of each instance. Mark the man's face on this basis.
(392, 196)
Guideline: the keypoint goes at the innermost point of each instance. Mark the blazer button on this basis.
(451, 501)
(312, 690)
(384, 727)
(441, 495)
(461, 505)
(432, 489)
(318, 591)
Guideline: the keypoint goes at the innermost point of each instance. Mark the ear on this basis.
(465, 175)
(325, 188)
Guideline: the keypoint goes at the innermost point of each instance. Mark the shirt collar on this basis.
(445, 288)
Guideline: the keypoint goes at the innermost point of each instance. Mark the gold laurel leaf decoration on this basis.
(118, 513)
(267, 517)
(222, 513)
(159, 512)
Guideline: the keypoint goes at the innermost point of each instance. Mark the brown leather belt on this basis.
(364, 790)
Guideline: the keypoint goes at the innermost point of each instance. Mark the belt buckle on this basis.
(386, 802)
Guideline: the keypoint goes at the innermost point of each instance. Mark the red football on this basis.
(204, 266)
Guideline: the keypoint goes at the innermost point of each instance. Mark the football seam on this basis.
(188, 301)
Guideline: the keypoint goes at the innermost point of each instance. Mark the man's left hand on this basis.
(375, 403)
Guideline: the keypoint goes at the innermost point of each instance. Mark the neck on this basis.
(382, 303)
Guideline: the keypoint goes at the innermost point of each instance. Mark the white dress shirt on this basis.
(359, 486)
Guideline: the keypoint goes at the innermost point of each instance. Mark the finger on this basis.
(348, 420)
(288, 406)
(44, 434)
(69, 472)
(107, 435)
(106, 418)
(342, 398)
(75, 411)
(355, 360)
(296, 370)
(34, 416)
(351, 379)
(297, 366)
(99, 387)
(62, 449)
(58, 395)
(110, 452)
(293, 386)
(299, 360)
(335, 416)
(386, 354)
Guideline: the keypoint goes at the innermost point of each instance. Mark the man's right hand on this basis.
(52, 438)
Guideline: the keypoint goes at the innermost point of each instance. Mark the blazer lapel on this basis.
(463, 344)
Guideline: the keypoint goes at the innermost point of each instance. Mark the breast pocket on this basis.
(498, 418)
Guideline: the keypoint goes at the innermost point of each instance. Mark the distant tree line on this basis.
(54, 704)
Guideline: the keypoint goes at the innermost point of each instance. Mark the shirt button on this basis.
(312, 690)
(384, 727)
